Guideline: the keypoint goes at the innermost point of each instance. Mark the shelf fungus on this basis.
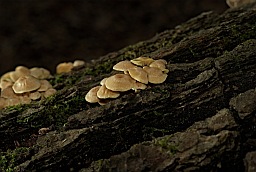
(137, 73)
(24, 85)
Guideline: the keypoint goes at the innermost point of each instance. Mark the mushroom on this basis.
(120, 82)
(64, 67)
(161, 64)
(35, 95)
(19, 71)
(78, 63)
(236, 3)
(26, 84)
(139, 74)
(142, 61)
(104, 93)
(40, 73)
(49, 92)
(45, 85)
(102, 82)
(155, 75)
(91, 96)
(3, 103)
(139, 86)
(8, 93)
(123, 66)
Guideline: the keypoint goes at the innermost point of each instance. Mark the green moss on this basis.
(165, 143)
(11, 158)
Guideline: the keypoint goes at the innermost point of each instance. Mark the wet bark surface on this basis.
(201, 118)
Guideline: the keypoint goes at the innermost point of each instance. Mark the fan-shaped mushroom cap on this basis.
(161, 64)
(142, 61)
(139, 74)
(24, 100)
(6, 77)
(19, 71)
(64, 67)
(26, 84)
(8, 93)
(120, 82)
(155, 75)
(78, 63)
(35, 95)
(45, 85)
(139, 86)
(49, 92)
(104, 93)
(40, 73)
(236, 3)
(91, 96)
(102, 82)
(5, 83)
(123, 66)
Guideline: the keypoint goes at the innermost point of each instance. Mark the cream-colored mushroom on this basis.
(155, 75)
(49, 92)
(161, 64)
(139, 86)
(123, 66)
(64, 67)
(8, 93)
(19, 71)
(35, 95)
(139, 74)
(120, 82)
(26, 84)
(78, 63)
(236, 3)
(40, 73)
(102, 82)
(45, 85)
(91, 96)
(104, 93)
(142, 61)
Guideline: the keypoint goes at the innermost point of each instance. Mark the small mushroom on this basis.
(43, 131)
(142, 61)
(91, 96)
(161, 64)
(64, 67)
(102, 82)
(49, 92)
(139, 74)
(236, 3)
(155, 75)
(123, 66)
(3, 103)
(35, 95)
(104, 93)
(78, 63)
(40, 73)
(8, 93)
(5, 83)
(19, 71)
(139, 86)
(45, 85)
(120, 82)
(26, 84)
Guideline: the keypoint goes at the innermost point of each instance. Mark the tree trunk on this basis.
(211, 59)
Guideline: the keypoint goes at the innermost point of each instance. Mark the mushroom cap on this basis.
(102, 82)
(19, 71)
(123, 66)
(3, 102)
(64, 67)
(91, 96)
(155, 75)
(26, 84)
(139, 86)
(40, 73)
(78, 63)
(45, 85)
(120, 82)
(35, 95)
(142, 61)
(159, 64)
(49, 92)
(104, 93)
(139, 74)
(8, 93)
(5, 83)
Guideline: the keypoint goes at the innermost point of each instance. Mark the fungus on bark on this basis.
(26, 84)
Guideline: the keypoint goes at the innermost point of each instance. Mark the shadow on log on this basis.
(201, 118)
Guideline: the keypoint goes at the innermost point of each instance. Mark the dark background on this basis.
(45, 33)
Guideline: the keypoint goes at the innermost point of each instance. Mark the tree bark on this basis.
(211, 59)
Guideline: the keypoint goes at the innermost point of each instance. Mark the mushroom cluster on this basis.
(136, 74)
(66, 67)
(24, 85)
